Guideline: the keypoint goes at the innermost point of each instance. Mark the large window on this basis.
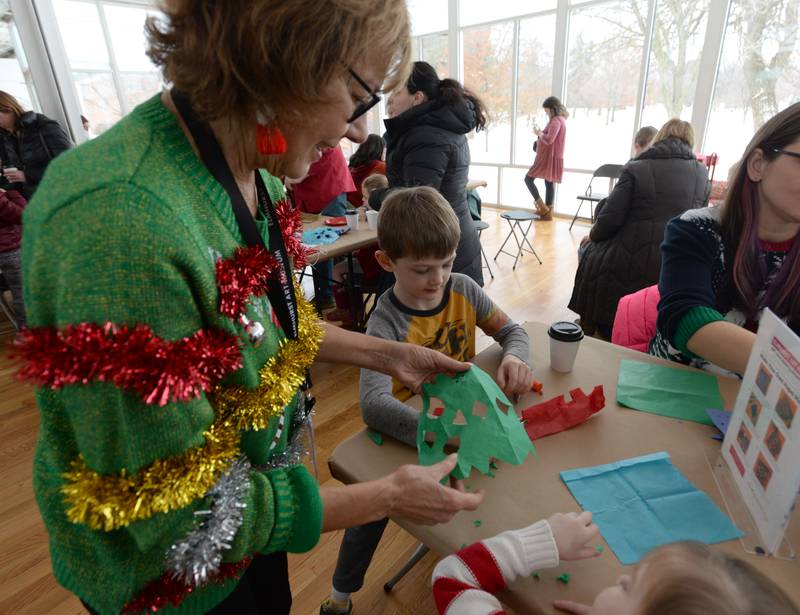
(427, 16)
(15, 77)
(434, 50)
(488, 68)
(105, 47)
(534, 79)
(604, 57)
(759, 74)
(478, 11)
(678, 37)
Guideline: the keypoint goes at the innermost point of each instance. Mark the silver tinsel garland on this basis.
(198, 556)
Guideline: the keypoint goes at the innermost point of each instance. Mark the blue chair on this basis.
(519, 233)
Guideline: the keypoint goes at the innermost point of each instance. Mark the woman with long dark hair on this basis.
(367, 160)
(549, 161)
(30, 141)
(722, 266)
(426, 139)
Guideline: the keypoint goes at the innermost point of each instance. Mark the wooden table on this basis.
(520, 495)
(345, 246)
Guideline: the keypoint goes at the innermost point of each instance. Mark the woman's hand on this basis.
(412, 365)
(514, 376)
(537, 131)
(418, 496)
(15, 176)
(573, 532)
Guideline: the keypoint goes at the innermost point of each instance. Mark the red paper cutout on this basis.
(557, 414)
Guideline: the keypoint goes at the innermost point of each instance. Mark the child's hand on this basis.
(514, 376)
(573, 532)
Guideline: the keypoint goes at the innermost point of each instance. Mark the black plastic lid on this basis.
(565, 331)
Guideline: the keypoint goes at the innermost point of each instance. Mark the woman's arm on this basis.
(723, 343)
(412, 365)
(411, 492)
(550, 132)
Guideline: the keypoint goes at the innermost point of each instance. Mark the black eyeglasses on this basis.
(788, 153)
(366, 104)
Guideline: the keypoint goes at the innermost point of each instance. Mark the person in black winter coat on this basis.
(426, 145)
(28, 142)
(623, 254)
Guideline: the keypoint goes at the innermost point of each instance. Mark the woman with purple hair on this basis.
(722, 266)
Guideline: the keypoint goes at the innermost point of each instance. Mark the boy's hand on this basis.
(514, 376)
(573, 532)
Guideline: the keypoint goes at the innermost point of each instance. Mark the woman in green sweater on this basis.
(167, 339)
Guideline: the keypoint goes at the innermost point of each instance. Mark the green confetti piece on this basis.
(599, 548)
(493, 465)
(564, 578)
(375, 437)
(463, 544)
(477, 523)
(535, 575)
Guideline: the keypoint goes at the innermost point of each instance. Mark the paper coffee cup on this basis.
(372, 219)
(352, 220)
(565, 339)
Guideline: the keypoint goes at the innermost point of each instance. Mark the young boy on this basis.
(417, 235)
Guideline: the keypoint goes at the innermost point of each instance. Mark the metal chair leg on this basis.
(418, 554)
(530, 245)
(511, 224)
(483, 254)
(575, 217)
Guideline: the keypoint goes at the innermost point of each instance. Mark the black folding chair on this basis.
(609, 171)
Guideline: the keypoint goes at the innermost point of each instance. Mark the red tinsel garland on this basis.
(248, 271)
(243, 275)
(291, 223)
(168, 590)
(131, 358)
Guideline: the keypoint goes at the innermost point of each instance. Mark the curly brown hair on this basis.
(238, 58)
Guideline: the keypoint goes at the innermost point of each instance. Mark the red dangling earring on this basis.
(269, 140)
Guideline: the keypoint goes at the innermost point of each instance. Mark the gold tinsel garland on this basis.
(279, 377)
(112, 501)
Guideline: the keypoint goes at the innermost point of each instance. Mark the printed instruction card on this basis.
(762, 444)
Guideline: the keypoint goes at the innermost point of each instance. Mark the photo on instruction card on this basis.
(743, 438)
(774, 441)
(753, 409)
(763, 379)
(762, 471)
(786, 408)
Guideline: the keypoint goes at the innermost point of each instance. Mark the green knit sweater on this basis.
(126, 229)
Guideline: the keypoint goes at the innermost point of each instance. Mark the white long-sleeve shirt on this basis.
(465, 583)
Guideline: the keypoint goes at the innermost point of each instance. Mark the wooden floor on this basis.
(531, 292)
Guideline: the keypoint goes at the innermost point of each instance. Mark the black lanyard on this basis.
(280, 289)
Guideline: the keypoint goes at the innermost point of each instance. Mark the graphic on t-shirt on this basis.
(774, 441)
(762, 471)
(450, 339)
(763, 378)
(786, 408)
(753, 409)
(743, 438)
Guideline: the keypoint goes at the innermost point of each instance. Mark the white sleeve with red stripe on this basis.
(464, 583)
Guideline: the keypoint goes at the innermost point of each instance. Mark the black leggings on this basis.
(549, 190)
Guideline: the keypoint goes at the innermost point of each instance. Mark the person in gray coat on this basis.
(623, 254)
(426, 145)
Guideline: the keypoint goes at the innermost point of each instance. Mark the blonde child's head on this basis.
(689, 578)
(372, 183)
(417, 223)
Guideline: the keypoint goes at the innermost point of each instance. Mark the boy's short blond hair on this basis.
(375, 181)
(417, 223)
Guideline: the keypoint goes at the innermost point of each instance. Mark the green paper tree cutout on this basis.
(469, 410)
